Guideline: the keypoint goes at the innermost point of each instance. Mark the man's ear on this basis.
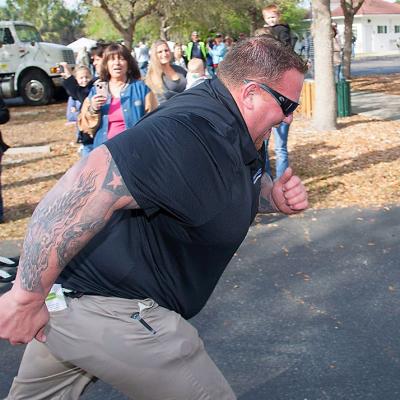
(247, 94)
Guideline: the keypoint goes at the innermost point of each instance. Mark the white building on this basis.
(376, 26)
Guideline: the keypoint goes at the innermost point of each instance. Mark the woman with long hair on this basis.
(120, 98)
(164, 78)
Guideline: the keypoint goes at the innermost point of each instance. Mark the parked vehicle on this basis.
(29, 66)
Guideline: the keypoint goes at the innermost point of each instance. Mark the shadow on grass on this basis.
(33, 181)
(10, 165)
(347, 124)
(19, 211)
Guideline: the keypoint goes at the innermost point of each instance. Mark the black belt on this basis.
(72, 293)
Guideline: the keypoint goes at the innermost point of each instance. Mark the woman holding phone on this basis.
(120, 98)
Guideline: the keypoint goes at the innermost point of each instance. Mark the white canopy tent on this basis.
(81, 43)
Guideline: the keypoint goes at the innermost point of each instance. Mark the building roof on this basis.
(371, 7)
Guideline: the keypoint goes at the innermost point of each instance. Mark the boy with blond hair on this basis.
(272, 17)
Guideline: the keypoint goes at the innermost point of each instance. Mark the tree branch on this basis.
(152, 6)
(110, 15)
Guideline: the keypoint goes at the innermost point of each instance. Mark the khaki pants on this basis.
(95, 337)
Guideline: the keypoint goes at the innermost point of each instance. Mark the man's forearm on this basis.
(266, 202)
(75, 210)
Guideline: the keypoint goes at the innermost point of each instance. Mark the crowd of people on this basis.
(170, 68)
(133, 84)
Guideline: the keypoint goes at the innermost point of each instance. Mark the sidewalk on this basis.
(393, 53)
(307, 309)
(376, 105)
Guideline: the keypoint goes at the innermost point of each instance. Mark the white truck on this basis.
(29, 66)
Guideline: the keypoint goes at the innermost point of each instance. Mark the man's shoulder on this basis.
(193, 113)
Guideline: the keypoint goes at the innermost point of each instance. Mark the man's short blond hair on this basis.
(196, 66)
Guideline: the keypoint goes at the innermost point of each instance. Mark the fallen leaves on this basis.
(389, 84)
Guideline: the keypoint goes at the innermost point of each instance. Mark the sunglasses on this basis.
(288, 106)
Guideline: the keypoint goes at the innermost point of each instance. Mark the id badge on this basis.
(55, 300)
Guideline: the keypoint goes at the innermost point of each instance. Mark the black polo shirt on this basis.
(195, 172)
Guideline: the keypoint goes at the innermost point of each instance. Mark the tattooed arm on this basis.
(75, 210)
(286, 195)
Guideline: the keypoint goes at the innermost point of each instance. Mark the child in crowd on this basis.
(83, 76)
(196, 73)
(272, 18)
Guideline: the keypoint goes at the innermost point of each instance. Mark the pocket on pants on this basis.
(178, 336)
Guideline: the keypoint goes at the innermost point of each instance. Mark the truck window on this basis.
(6, 36)
(27, 33)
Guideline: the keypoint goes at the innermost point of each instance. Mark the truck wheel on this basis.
(36, 88)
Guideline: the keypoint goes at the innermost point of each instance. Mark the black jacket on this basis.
(282, 33)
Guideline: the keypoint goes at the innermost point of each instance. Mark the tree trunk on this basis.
(125, 20)
(254, 17)
(348, 34)
(128, 35)
(325, 111)
(164, 28)
(349, 9)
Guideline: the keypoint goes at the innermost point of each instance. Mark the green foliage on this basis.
(55, 22)
(98, 26)
(206, 18)
(147, 28)
(293, 15)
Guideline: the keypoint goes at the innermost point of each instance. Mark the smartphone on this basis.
(101, 88)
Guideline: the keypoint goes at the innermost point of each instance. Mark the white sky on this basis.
(68, 3)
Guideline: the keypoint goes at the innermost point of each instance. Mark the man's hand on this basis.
(289, 193)
(21, 320)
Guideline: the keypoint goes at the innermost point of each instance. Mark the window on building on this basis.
(382, 29)
(397, 29)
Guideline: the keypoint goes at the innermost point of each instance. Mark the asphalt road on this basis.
(307, 309)
(376, 65)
